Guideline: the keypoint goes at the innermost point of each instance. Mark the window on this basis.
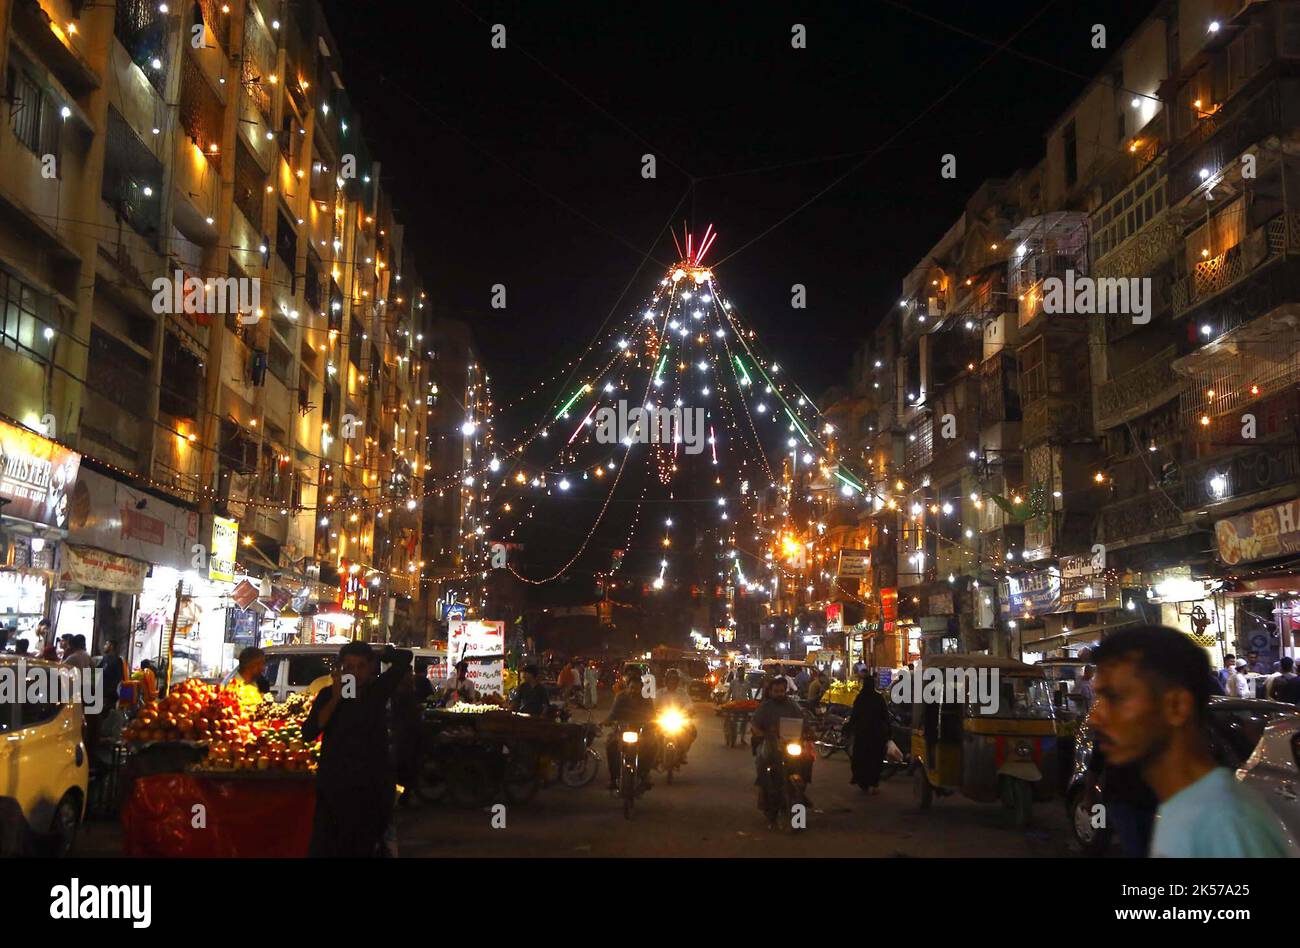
(132, 183)
(304, 669)
(182, 379)
(141, 27)
(1128, 211)
(25, 318)
(34, 115)
(118, 373)
(286, 242)
(1070, 142)
(1033, 371)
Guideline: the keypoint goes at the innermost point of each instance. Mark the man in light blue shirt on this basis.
(1152, 698)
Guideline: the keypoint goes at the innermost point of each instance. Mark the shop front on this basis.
(1260, 550)
(117, 534)
(36, 479)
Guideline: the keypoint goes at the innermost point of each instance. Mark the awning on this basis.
(1078, 635)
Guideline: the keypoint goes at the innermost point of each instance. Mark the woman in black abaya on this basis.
(868, 727)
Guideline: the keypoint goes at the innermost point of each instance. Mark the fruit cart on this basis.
(474, 757)
(212, 772)
(735, 721)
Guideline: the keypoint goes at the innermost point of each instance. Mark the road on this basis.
(710, 810)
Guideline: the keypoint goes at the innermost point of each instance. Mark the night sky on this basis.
(523, 166)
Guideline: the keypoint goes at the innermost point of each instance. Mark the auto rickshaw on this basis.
(1007, 754)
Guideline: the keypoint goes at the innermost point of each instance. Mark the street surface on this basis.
(710, 810)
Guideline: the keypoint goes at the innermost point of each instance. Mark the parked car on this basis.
(292, 668)
(1273, 770)
(1235, 728)
(44, 768)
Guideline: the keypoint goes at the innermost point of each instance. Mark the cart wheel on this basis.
(582, 772)
(431, 784)
(520, 788)
(468, 783)
(922, 790)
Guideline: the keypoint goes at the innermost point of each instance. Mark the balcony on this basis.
(997, 543)
(999, 398)
(1279, 237)
(1227, 477)
(1139, 390)
(1153, 514)
(1057, 418)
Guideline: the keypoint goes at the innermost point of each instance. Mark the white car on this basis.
(44, 767)
(1273, 770)
(292, 668)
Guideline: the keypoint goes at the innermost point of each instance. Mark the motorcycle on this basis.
(830, 733)
(785, 761)
(672, 724)
(630, 786)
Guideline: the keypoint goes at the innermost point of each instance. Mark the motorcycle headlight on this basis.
(672, 721)
(794, 748)
(631, 737)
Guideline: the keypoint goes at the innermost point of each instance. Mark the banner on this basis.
(96, 569)
(112, 516)
(1259, 534)
(483, 645)
(854, 564)
(36, 476)
(1030, 594)
(834, 617)
(225, 544)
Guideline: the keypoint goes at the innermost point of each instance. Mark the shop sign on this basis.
(834, 617)
(36, 476)
(96, 569)
(1083, 582)
(225, 544)
(244, 595)
(1034, 593)
(113, 517)
(725, 634)
(1259, 534)
(854, 564)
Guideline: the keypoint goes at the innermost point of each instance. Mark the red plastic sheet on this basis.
(244, 818)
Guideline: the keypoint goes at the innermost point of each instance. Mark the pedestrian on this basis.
(355, 780)
(113, 666)
(20, 647)
(1286, 686)
(458, 687)
(1253, 664)
(816, 688)
(1086, 691)
(589, 686)
(567, 680)
(75, 655)
(802, 680)
(1239, 685)
(252, 665)
(148, 680)
(1227, 671)
(868, 726)
(739, 690)
(1152, 688)
(531, 696)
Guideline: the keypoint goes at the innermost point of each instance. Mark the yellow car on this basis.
(43, 763)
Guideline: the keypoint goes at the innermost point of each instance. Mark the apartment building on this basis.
(211, 306)
(1087, 409)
